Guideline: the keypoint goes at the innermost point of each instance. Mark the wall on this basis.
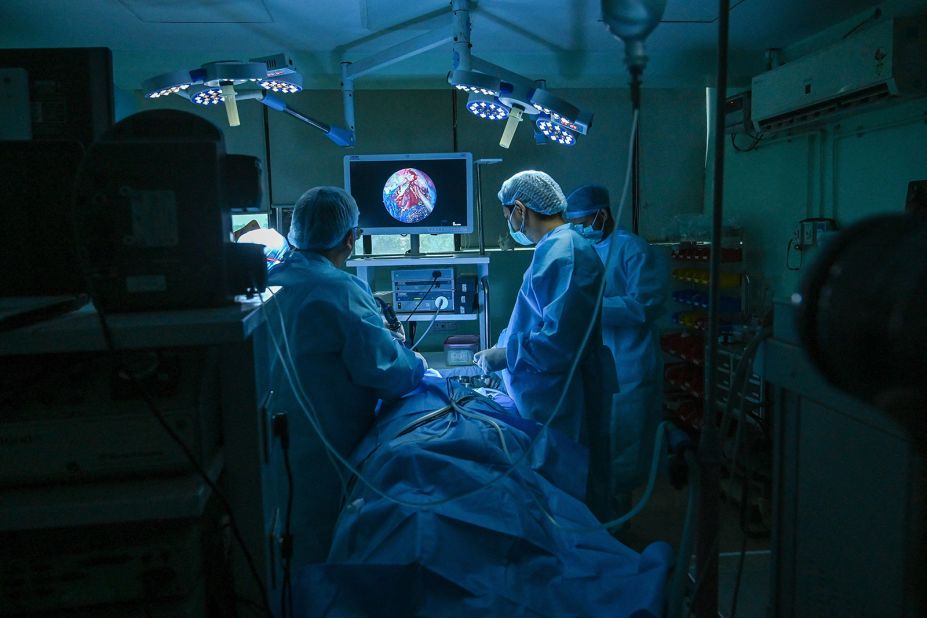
(847, 170)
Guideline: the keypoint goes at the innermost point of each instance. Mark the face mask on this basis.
(518, 235)
(589, 232)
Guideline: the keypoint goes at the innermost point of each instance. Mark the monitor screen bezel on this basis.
(467, 228)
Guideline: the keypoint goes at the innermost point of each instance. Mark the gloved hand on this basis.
(421, 358)
(398, 334)
(490, 360)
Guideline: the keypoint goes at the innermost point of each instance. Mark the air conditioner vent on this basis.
(884, 62)
(825, 110)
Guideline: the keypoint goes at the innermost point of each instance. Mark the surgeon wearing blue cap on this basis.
(636, 289)
(344, 358)
(555, 304)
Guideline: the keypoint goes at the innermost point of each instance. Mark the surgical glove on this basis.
(490, 360)
(399, 334)
(422, 358)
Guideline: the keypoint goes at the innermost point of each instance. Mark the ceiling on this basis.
(562, 41)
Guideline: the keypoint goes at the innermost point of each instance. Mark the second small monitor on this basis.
(412, 193)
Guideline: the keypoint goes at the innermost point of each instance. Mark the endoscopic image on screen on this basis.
(409, 195)
(402, 195)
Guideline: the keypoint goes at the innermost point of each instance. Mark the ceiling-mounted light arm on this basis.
(398, 53)
(351, 71)
(460, 56)
(505, 75)
(347, 99)
(338, 135)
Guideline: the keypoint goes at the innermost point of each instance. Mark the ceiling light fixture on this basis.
(486, 106)
(231, 81)
(288, 84)
(207, 96)
(518, 97)
(555, 132)
(167, 84)
(474, 81)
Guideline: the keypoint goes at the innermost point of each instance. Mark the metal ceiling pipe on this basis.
(460, 58)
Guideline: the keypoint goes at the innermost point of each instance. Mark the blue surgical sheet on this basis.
(526, 545)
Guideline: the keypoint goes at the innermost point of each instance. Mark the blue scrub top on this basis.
(346, 361)
(557, 299)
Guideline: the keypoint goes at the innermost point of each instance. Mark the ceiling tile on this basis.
(200, 12)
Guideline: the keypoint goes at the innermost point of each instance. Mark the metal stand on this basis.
(479, 208)
(414, 249)
(479, 199)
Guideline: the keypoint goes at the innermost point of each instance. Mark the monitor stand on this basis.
(414, 250)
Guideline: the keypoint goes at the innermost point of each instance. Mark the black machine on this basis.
(152, 215)
(70, 91)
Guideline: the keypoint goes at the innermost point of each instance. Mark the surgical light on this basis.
(285, 84)
(167, 84)
(560, 111)
(227, 72)
(474, 81)
(486, 106)
(517, 95)
(555, 132)
(208, 96)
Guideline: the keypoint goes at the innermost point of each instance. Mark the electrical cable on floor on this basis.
(191, 457)
(744, 370)
(280, 424)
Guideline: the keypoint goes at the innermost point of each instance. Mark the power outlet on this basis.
(446, 326)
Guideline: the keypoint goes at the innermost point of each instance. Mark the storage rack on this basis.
(684, 375)
(684, 379)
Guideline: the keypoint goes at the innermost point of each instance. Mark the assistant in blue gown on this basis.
(553, 310)
(635, 292)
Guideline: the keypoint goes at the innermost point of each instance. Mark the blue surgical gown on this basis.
(346, 361)
(635, 291)
(557, 299)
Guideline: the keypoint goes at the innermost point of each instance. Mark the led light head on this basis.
(485, 106)
(167, 83)
(553, 105)
(208, 96)
(233, 72)
(554, 132)
(284, 84)
(474, 81)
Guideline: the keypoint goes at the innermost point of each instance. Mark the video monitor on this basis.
(412, 193)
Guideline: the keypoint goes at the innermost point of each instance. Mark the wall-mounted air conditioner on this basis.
(887, 60)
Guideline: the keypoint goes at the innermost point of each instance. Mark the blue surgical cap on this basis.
(536, 190)
(322, 218)
(587, 200)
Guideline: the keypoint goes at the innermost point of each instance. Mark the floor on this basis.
(662, 519)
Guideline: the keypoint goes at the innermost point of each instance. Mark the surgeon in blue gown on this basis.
(553, 310)
(340, 353)
(636, 289)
